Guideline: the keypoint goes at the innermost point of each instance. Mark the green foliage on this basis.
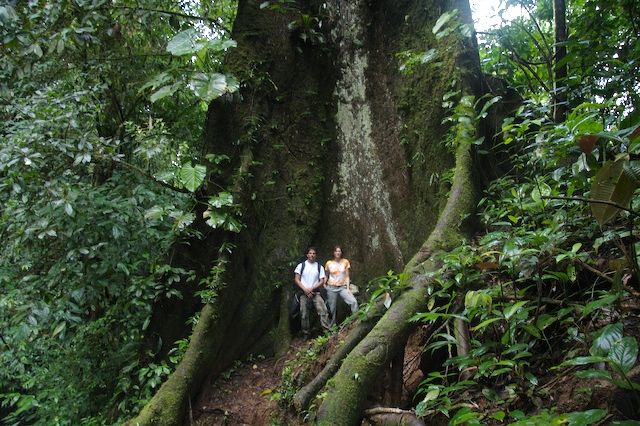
(544, 270)
(610, 346)
(212, 284)
(223, 213)
(296, 372)
(383, 288)
(578, 418)
(307, 26)
(94, 187)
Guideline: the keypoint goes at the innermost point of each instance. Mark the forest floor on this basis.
(248, 393)
(244, 395)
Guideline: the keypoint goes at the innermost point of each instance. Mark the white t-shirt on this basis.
(310, 274)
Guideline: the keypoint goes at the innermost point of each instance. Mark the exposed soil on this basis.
(243, 395)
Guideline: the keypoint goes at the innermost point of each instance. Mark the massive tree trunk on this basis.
(330, 143)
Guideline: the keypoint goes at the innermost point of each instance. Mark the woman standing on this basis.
(338, 283)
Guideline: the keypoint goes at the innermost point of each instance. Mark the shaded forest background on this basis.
(163, 166)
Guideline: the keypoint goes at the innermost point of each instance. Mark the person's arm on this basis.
(298, 281)
(347, 271)
(325, 282)
(321, 279)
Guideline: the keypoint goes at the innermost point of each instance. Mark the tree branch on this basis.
(179, 14)
(589, 200)
(392, 416)
(594, 270)
(141, 172)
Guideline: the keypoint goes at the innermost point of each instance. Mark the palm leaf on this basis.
(614, 184)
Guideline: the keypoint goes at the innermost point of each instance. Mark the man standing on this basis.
(309, 277)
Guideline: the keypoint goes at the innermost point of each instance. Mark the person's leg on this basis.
(332, 298)
(321, 308)
(349, 299)
(304, 315)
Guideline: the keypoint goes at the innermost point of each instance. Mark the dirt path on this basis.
(244, 394)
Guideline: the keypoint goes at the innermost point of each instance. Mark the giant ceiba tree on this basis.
(331, 142)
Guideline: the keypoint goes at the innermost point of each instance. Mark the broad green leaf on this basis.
(581, 418)
(511, 310)
(633, 171)
(474, 299)
(489, 104)
(163, 92)
(156, 81)
(540, 190)
(605, 340)
(593, 374)
(624, 354)
(498, 415)
(183, 220)
(192, 177)
(532, 330)
(220, 45)
(214, 218)
(232, 225)
(465, 416)
(432, 394)
(223, 199)
(545, 320)
(185, 43)
(584, 360)
(154, 213)
(211, 86)
(597, 304)
(37, 50)
(428, 56)
(443, 19)
(485, 323)
(59, 329)
(611, 184)
(8, 14)
(421, 409)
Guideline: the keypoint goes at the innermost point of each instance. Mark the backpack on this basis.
(294, 306)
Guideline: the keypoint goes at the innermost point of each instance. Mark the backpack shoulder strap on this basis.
(304, 264)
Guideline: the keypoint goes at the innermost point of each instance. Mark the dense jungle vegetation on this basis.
(102, 168)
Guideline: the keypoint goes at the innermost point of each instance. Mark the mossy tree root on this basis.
(168, 405)
(381, 416)
(348, 389)
(305, 395)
